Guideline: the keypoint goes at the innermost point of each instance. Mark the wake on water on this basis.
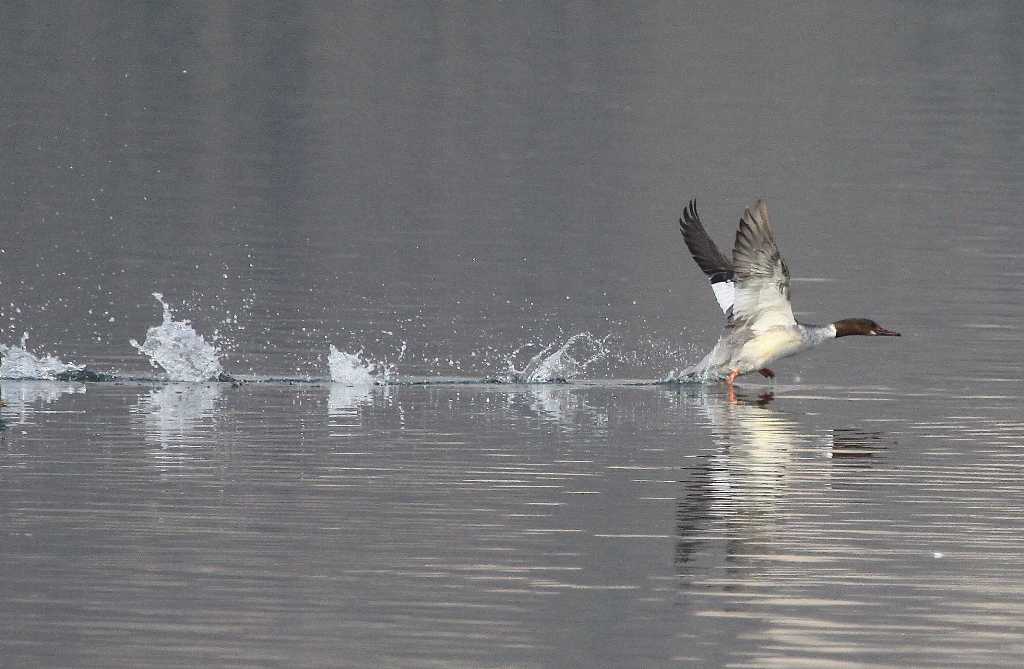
(555, 363)
(184, 355)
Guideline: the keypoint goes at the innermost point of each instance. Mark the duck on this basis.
(753, 290)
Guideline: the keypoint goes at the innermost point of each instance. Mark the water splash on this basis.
(558, 364)
(695, 373)
(179, 350)
(353, 370)
(19, 363)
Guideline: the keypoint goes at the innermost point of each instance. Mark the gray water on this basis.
(464, 182)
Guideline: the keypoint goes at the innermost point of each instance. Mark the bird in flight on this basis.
(752, 289)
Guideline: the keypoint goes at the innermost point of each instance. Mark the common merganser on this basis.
(753, 291)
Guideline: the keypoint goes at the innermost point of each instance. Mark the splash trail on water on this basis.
(558, 364)
(177, 348)
(185, 355)
(19, 363)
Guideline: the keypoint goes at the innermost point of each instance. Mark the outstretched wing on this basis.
(716, 266)
(761, 275)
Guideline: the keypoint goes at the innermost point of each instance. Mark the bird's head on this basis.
(862, 326)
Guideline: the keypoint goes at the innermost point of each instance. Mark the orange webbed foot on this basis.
(728, 384)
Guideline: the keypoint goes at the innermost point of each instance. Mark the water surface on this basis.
(508, 526)
(440, 193)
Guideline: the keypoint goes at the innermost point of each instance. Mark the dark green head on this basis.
(861, 326)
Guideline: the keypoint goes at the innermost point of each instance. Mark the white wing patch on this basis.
(762, 305)
(725, 293)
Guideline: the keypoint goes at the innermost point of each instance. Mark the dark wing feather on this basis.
(702, 248)
(716, 266)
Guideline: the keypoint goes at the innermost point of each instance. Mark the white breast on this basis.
(768, 346)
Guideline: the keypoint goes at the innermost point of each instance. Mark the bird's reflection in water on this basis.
(731, 493)
(857, 447)
(738, 494)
